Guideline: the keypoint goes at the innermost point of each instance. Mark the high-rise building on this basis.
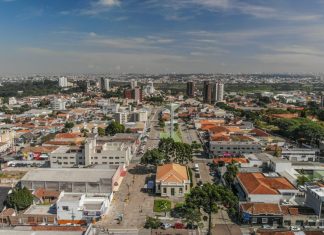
(322, 101)
(135, 94)
(207, 92)
(63, 82)
(190, 89)
(128, 94)
(218, 92)
(104, 84)
(58, 104)
(133, 83)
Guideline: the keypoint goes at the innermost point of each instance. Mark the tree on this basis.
(101, 131)
(161, 123)
(68, 126)
(320, 115)
(85, 132)
(208, 197)
(302, 179)
(113, 128)
(153, 157)
(152, 223)
(175, 151)
(231, 172)
(176, 126)
(20, 199)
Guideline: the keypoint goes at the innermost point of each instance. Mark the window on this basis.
(159, 187)
(96, 158)
(116, 157)
(172, 191)
(110, 163)
(111, 157)
(164, 190)
(104, 157)
(65, 208)
(180, 190)
(264, 220)
(116, 162)
(104, 163)
(254, 220)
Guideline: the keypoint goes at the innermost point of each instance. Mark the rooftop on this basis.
(69, 174)
(258, 183)
(173, 173)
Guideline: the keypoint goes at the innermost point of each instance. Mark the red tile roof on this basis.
(261, 208)
(257, 183)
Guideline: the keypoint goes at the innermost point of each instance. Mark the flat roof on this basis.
(68, 174)
(39, 210)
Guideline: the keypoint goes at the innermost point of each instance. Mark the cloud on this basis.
(99, 6)
(176, 8)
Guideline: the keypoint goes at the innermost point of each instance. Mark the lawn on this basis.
(176, 137)
(161, 205)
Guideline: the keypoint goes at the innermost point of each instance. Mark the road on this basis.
(128, 200)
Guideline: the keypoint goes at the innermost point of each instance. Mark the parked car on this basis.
(191, 226)
(179, 225)
(294, 228)
(165, 225)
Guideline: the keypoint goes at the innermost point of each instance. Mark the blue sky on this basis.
(161, 36)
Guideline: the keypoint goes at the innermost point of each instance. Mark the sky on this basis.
(161, 36)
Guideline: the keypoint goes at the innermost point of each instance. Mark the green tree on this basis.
(68, 126)
(208, 197)
(320, 114)
(231, 172)
(20, 199)
(153, 157)
(113, 128)
(152, 223)
(84, 132)
(175, 151)
(101, 131)
(161, 123)
(302, 179)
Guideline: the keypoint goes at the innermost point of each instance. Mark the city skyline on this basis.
(184, 36)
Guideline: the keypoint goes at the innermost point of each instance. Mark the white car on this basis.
(294, 228)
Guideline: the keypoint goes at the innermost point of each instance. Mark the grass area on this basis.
(161, 205)
(176, 136)
(266, 126)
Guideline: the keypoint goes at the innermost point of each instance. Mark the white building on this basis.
(299, 154)
(234, 147)
(110, 108)
(12, 101)
(218, 92)
(78, 208)
(121, 117)
(67, 156)
(133, 83)
(107, 153)
(58, 104)
(261, 187)
(315, 200)
(279, 165)
(63, 82)
(141, 115)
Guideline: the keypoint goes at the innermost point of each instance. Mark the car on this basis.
(266, 226)
(179, 225)
(166, 225)
(294, 228)
(191, 226)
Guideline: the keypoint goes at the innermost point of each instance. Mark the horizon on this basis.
(161, 37)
